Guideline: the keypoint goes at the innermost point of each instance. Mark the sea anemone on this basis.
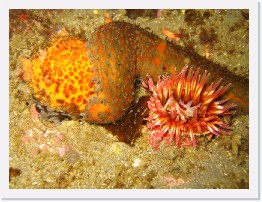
(183, 106)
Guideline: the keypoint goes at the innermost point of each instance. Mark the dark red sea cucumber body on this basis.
(120, 52)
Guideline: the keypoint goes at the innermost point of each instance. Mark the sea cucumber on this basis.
(116, 54)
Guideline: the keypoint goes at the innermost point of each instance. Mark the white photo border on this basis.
(254, 175)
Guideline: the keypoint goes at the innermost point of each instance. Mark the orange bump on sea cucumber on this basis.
(62, 79)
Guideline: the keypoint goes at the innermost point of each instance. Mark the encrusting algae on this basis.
(94, 80)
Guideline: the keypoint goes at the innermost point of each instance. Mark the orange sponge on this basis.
(59, 75)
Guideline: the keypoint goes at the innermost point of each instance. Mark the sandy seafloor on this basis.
(94, 157)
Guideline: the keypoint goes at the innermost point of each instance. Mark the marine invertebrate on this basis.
(60, 76)
(182, 107)
(94, 80)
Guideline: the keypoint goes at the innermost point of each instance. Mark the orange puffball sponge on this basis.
(60, 76)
